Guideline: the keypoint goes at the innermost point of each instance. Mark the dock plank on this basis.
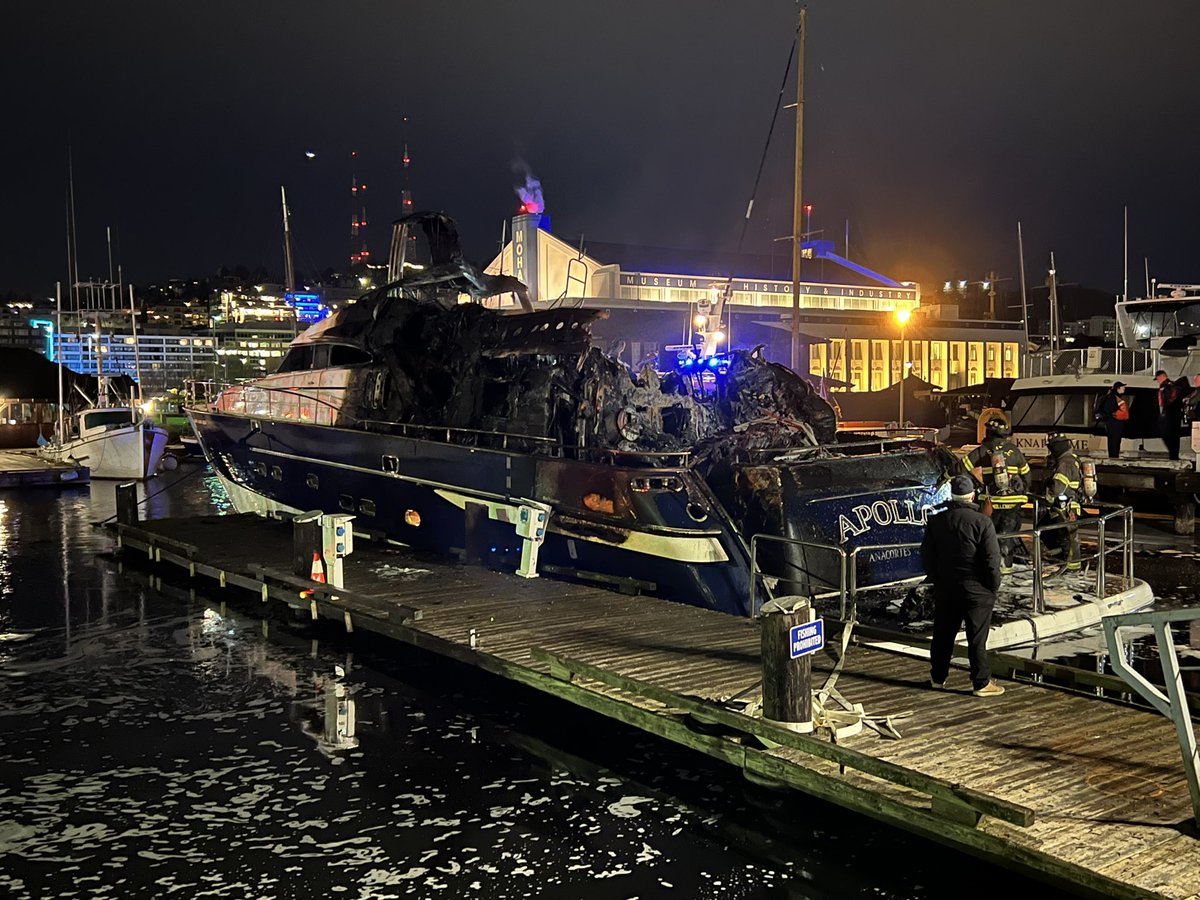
(1105, 781)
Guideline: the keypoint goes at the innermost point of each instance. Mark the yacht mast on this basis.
(797, 203)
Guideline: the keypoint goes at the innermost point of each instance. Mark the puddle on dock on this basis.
(153, 746)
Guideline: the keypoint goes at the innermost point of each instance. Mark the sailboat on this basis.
(113, 440)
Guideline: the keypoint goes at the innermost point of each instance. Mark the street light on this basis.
(902, 316)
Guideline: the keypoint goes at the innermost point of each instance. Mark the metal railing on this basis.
(1174, 705)
(848, 590)
(755, 574)
(1098, 360)
(1124, 544)
(893, 432)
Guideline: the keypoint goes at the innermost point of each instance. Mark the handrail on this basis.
(894, 432)
(796, 542)
(848, 589)
(853, 567)
(1175, 704)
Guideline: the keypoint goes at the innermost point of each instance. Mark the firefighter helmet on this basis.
(997, 427)
(1058, 444)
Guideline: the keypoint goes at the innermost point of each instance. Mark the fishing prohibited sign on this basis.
(807, 638)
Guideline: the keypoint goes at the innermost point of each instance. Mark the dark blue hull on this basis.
(652, 530)
(667, 534)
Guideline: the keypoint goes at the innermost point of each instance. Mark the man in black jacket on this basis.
(1169, 413)
(961, 556)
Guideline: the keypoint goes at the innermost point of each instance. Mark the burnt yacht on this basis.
(442, 423)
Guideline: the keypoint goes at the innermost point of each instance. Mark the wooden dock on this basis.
(1080, 791)
(24, 468)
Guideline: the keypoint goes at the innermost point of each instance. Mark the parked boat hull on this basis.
(652, 530)
(128, 452)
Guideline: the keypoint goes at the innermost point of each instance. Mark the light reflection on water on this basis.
(154, 743)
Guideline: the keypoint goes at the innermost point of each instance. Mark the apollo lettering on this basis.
(882, 513)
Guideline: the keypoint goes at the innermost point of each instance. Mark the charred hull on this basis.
(666, 533)
(432, 420)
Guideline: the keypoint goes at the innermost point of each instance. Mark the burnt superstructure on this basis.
(417, 408)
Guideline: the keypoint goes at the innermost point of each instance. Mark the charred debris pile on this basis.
(534, 376)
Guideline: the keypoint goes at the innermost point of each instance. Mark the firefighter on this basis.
(1064, 491)
(1004, 473)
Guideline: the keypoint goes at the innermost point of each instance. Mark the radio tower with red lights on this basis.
(406, 204)
(359, 254)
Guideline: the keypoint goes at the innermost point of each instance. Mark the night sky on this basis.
(933, 127)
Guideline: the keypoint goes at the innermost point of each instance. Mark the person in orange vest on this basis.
(1113, 412)
(1004, 473)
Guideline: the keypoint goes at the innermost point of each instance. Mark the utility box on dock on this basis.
(321, 541)
(531, 528)
(337, 542)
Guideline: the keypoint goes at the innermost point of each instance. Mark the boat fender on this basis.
(1090, 484)
(1000, 473)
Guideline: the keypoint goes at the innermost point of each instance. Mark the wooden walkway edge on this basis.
(1083, 793)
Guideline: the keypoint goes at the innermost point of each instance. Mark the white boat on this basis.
(113, 442)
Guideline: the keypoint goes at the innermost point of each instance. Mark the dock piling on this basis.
(786, 675)
(127, 503)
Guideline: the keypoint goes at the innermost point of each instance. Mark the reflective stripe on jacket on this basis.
(1065, 481)
(1014, 463)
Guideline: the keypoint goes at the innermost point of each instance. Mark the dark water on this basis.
(154, 745)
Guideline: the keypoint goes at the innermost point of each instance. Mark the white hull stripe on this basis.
(702, 549)
(687, 548)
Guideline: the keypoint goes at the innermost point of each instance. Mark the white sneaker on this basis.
(991, 689)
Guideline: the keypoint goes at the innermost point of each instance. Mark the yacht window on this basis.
(366, 507)
(111, 417)
(277, 473)
(1034, 410)
(298, 359)
(312, 481)
(320, 358)
(346, 502)
(345, 355)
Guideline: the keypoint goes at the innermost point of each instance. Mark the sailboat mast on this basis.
(137, 359)
(73, 251)
(797, 203)
(289, 265)
(58, 355)
(1125, 288)
(1053, 307)
(1024, 298)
